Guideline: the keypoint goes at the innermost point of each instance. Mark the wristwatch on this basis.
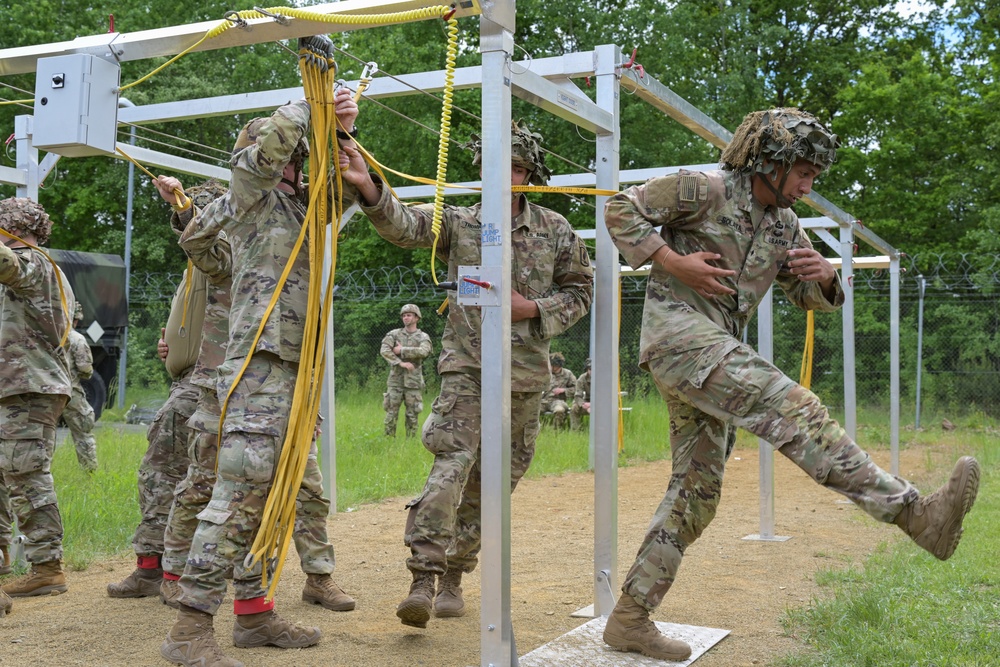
(353, 134)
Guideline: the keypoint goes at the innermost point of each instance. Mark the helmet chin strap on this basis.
(780, 199)
(296, 187)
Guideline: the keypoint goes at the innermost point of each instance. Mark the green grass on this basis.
(903, 607)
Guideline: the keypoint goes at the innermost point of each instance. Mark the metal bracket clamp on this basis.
(278, 18)
(479, 285)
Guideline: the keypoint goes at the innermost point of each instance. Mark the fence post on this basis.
(922, 282)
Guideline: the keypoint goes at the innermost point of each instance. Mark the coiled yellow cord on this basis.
(442, 166)
(58, 272)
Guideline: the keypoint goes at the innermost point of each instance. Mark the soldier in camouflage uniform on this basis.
(34, 388)
(262, 215)
(726, 237)
(211, 254)
(581, 400)
(552, 285)
(561, 389)
(405, 350)
(166, 459)
(78, 414)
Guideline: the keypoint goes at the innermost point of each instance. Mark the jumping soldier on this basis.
(262, 215)
(34, 388)
(404, 350)
(559, 394)
(581, 399)
(78, 413)
(552, 284)
(726, 236)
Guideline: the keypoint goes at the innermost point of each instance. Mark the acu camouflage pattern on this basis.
(558, 405)
(316, 555)
(404, 387)
(32, 323)
(711, 212)
(164, 465)
(78, 414)
(27, 442)
(443, 528)
(549, 265)
(581, 395)
(711, 382)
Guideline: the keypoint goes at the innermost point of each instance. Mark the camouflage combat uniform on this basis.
(78, 414)
(34, 388)
(711, 382)
(558, 405)
(403, 386)
(550, 266)
(211, 253)
(166, 458)
(262, 224)
(581, 395)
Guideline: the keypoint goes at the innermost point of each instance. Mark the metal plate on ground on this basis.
(585, 646)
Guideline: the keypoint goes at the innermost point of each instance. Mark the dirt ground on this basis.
(726, 582)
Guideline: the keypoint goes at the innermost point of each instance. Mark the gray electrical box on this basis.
(76, 105)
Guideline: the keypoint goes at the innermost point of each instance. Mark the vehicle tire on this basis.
(97, 393)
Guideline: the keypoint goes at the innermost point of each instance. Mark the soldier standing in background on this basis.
(166, 459)
(581, 399)
(78, 414)
(726, 237)
(551, 288)
(559, 394)
(405, 350)
(34, 388)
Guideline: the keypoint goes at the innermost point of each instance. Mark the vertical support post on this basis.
(847, 278)
(894, 363)
(123, 359)
(604, 385)
(496, 631)
(27, 156)
(922, 284)
(592, 352)
(328, 441)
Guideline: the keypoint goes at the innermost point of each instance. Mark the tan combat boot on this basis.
(141, 583)
(448, 602)
(170, 593)
(320, 589)
(6, 604)
(43, 579)
(629, 629)
(934, 522)
(415, 610)
(191, 642)
(5, 566)
(269, 629)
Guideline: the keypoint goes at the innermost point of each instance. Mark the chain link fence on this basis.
(955, 295)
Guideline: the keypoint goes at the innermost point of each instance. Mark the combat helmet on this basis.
(766, 139)
(20, 215)
(205, 193)
(557, 359)
(410, 308)
(525, 151)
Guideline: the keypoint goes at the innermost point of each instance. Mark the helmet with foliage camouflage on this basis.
(525, 151)
(205, 193)
(410, 308)
(779, 137)
(587, 365)
(251, 132)
(20, 216)
(557, 359)
(77, 311)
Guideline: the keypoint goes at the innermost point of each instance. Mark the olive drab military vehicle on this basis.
(98, 281)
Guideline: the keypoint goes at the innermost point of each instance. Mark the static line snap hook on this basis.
(248, 562)
(279, 18)
(237, 20)
(369, 70)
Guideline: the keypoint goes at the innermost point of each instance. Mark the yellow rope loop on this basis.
(4, 103)
(442, 167)
(58, 272)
